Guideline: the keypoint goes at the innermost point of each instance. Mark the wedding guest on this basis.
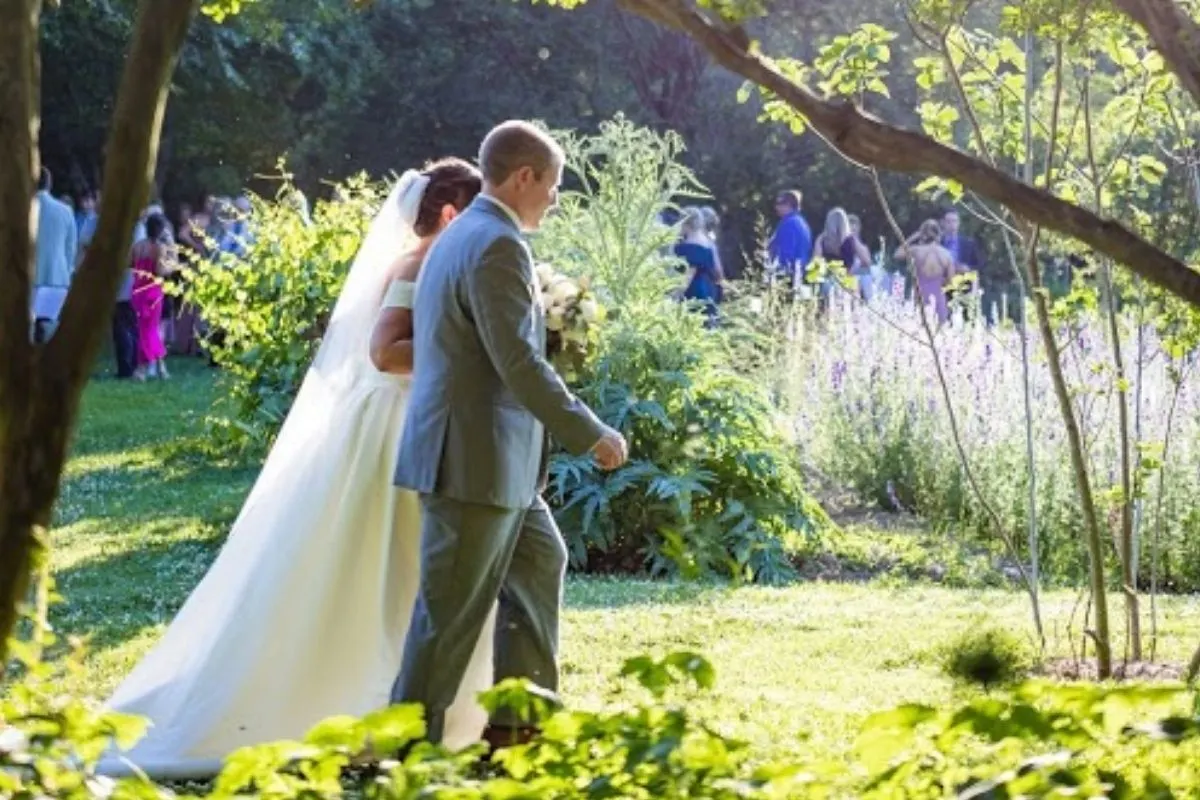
(703, 279)
(125, 328)
(86, 220)
(192, 250)
(837, 245)
(56, 254)
(933, 267)
(152, 259)
(791, 247)
(863, 263)
(968, 259)
(712, 226)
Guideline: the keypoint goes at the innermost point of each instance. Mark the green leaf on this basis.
(339, 732)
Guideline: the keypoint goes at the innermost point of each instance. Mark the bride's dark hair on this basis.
(453, 182)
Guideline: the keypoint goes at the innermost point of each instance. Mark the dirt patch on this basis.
(876, 519)
(846, 509)
(1071, 669)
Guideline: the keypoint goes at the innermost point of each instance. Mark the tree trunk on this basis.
(19, 80)
(1093, 539)
(41, 390)
(868, 140)
(1133, 630)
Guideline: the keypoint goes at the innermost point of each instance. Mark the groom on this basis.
(483, 398)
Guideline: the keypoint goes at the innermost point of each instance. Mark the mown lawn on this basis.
(798, 667)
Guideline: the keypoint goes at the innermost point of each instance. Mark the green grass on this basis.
(797, 667)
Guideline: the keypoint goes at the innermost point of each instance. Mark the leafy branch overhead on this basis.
(872, 142)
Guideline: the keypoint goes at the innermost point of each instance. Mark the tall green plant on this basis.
(268, 308)
(712, 488)
(610, 222)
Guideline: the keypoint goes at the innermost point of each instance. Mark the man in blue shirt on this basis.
(968, 259)
(790, 250)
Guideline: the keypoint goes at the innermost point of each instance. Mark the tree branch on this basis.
(1175, 34)
(868, 140)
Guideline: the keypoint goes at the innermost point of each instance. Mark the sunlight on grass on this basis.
(797, 667)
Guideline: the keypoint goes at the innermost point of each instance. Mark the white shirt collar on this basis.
(500, 204)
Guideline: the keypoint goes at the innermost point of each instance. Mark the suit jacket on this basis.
(57, 243)
(483, 394)
(970, 255)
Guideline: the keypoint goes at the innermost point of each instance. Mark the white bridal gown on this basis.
(304, 614)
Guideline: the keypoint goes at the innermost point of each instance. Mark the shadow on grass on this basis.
(135, 489)
(598, 593)
(113, 598)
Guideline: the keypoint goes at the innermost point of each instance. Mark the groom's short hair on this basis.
(515, 144)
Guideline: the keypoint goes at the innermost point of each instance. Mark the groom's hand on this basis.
(611, 451)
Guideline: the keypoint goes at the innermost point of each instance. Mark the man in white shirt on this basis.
(57, 249)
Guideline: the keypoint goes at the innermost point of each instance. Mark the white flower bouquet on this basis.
(572, 313)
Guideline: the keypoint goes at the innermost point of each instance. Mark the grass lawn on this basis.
(797, 667)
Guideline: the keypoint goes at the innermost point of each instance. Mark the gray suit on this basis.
(482, 400)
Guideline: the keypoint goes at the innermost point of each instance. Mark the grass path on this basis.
(798, 667)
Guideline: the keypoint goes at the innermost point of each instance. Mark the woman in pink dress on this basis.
(151, 262)
(932, 267)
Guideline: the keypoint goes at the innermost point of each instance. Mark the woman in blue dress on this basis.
(703, 270)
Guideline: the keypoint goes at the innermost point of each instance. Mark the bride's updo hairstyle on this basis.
(452, 182)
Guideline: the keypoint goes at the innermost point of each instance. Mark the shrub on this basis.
(986, 656)
(1041, 740)
(713, 486)
(269, 308)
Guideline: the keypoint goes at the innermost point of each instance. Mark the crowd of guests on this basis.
(943, 264)
(149, 318)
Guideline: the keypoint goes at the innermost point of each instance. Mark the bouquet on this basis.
(572, 313)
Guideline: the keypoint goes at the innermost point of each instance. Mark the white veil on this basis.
(344, 358)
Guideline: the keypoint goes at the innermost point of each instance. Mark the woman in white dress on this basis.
(304, 613)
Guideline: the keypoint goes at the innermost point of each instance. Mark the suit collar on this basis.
(498, 209)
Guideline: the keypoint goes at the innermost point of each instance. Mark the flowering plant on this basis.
(572, 312)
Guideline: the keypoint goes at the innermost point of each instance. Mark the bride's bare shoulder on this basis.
(405, 268)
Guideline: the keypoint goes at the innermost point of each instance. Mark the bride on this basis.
(304, 613)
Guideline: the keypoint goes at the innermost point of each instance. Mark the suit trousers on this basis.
(472, 555)
(125, 338)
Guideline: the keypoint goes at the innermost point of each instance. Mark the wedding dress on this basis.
(304, 613)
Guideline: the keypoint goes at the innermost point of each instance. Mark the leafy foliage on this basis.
(1040, 739)
(45, 736)
(987, 656)
(712, 487)
(268, 308)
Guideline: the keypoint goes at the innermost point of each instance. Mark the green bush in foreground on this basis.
(1039, 740)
